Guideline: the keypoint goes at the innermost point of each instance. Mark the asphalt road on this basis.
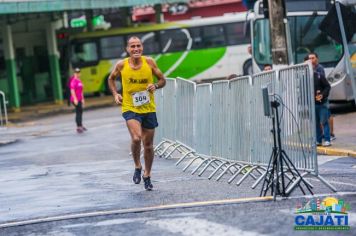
(248, 219)
(51, 171)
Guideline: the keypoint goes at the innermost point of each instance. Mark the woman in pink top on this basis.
(77, 98)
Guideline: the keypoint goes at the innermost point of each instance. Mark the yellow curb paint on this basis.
(15, 109)
(135, 210)
(335, 152)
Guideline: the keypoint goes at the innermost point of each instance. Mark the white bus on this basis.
(304, 20)
(198, 49)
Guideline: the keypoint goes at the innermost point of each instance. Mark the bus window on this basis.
(197, 38)
(174, 40)
(84, 52)
(112, 47)
(237, 33)
(214, 36)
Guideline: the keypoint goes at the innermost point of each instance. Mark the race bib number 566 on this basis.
(140, 98)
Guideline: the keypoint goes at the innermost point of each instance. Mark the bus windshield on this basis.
(305, 37)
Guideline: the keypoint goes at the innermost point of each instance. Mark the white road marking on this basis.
(334, 182)
(189, 226)
(133, 210)
(324, 159)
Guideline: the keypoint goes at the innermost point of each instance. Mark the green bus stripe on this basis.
(198, 61)
(167, 60)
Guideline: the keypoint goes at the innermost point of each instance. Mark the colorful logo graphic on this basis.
(327, 214)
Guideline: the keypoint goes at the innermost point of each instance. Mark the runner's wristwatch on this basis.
(156, 86)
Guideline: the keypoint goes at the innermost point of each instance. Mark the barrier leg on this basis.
(158, 149)
(227, 168)
(260, 172)
(326, 183)
(237, 173)
(207, 165)
(184, 156)
(171, 152)
(297, 181)
(245, 175)
(196, 169)
(158, 146)
(259, 180)
(217, 169)
(191, 162)
(165, 150)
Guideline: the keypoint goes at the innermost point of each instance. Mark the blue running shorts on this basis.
(147, 120)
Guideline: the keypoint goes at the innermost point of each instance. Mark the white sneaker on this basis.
(326, 144)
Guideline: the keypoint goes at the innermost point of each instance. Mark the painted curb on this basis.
(335, 152)
(135, 210)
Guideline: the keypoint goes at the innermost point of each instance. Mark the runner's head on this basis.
(313, 57)
(134, 47)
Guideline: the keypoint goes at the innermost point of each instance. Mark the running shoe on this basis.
(148, 184)
(137, 176)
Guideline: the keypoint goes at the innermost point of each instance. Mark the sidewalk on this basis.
(29, 113)
(345, 123)
(345, 131)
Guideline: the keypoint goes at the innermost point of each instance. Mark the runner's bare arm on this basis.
(111, 81)
(158, 73)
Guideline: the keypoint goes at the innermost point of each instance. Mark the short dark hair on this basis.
(265, 65)
(313, 53)
(132, 37)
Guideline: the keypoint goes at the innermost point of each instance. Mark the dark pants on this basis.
(322, 117)
(78, 113)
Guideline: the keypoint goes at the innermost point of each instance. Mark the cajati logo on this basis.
(327, 214)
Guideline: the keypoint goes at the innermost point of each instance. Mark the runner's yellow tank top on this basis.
(134, 81)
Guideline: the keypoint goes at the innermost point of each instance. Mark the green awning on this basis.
(33, 6)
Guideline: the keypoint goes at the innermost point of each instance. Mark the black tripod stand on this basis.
(276, 174)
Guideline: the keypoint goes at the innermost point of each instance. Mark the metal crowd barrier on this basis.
(3, 111)
(220, 119)
(221, 128)
(297, 95)
(166, 106)
(185, 111)
(203, 119)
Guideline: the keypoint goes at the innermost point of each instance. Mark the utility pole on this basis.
(158, 13)
(277, 19)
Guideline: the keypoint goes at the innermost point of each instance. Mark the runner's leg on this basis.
(147, 138)
(135, 130)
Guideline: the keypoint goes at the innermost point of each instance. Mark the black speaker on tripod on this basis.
(279, 164)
